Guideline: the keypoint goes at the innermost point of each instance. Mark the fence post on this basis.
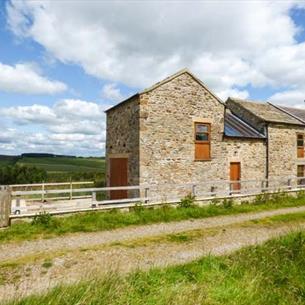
(71, 190)
(93, 196)
(42, 188)
(289, 184)
(213, 190)
(194, 190)
(5, 206)
(230, 187)
(146, 194)
(263, 185)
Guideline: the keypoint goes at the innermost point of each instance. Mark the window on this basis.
(300, 144)
(301, 173)
(202, 141)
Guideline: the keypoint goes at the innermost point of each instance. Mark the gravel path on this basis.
(82, 240)
(77, 265)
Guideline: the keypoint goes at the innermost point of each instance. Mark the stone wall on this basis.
(282, 150)
(122, 137)
(252, 156)
(167, 116)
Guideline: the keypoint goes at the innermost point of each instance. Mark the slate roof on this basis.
(236, 128)
(297, 113)
(266, 112)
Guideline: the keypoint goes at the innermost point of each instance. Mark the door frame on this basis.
(118, 194)
(235, 186)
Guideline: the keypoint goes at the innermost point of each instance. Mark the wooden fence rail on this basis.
(144, 194)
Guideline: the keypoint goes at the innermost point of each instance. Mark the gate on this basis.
(5, 206)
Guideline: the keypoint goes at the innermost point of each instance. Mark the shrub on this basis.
(228, 203)
(44, 219)
(261, 198)
(138, 208)
(215, 202)
(301, 194)
(17, 174)
(187, 202)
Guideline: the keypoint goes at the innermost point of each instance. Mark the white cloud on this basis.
(294, 98)
(111, 92)
(69, 127)
(30, 114)
(227, 44)
(25, 78)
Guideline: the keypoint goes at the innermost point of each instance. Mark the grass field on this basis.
(269, 274)
(64, 164)
(61, 168)
(46, 226)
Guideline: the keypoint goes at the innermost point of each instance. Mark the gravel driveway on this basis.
(77, 240)
(218, 235)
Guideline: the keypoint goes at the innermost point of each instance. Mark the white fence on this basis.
(28, 200)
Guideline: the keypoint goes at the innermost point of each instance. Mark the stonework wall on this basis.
(167, 116)
(282, 149)
(252, 157)
(122, 138)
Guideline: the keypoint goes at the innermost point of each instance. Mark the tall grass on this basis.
(269, 274)
(99, 221)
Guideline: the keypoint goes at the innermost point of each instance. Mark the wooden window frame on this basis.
(208, 133)
(300, 149)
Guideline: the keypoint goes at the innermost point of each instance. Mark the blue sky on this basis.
(62, 63)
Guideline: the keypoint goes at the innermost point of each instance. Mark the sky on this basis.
(62, 63)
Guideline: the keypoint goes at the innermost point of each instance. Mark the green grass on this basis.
(61, 168)
(269, 274)
(64, 164)
(46, 227)
(281, 219)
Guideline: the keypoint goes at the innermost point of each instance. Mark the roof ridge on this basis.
(247, 100)
(287, 112)
(173, 76)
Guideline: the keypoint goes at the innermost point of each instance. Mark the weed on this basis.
(180, 238)
(138, 208)
(47, 264)
(43, 219)
(228, 203)
(187, 201)
(215, 201)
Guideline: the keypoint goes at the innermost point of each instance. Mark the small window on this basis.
(301, 174)
(202, 141)
(300, 144)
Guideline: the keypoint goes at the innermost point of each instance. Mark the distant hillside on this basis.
(59, 167)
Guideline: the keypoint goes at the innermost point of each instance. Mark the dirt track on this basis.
(45, 263)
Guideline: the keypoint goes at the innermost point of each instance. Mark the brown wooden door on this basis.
(235, 175)
(118, 177)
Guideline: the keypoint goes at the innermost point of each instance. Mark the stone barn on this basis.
(179, 132)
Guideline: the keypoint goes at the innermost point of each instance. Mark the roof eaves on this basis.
(245, 137)
(123, 102)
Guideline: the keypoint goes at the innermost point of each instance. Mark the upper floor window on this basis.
(300, 144)
(202, 141)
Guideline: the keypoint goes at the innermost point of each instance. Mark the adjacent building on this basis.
(178, 131)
